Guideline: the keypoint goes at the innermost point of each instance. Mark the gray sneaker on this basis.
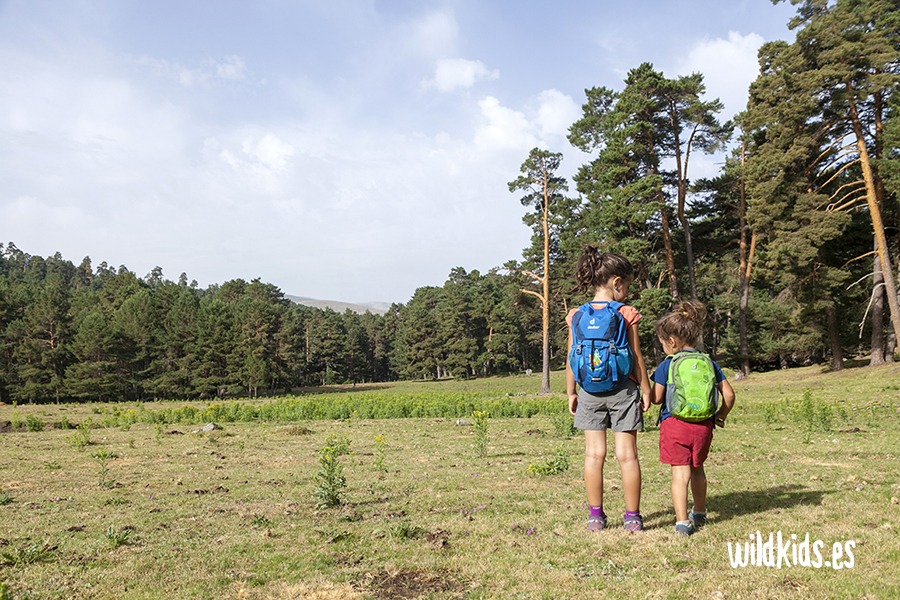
(698, 520)
(596, 523)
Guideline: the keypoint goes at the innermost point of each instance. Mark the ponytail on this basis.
(594, 268)
(684, 322)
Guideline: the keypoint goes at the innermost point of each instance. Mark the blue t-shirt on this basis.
(661, 376)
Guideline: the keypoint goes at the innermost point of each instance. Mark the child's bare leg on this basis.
(626, 455)
(698, 488)
(681, 477)
(594, 456)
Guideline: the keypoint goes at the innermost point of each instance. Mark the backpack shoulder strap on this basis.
(670, 379)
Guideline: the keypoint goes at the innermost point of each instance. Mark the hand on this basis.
(645, 402)
(720, 422)
(573, 403)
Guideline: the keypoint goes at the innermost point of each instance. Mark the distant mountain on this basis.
(376, 308)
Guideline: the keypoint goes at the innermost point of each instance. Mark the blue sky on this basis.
(345, 149)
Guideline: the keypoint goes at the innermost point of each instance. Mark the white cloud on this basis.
(269, 151)
(232, 68)
(728, 67)
(556, 112)
(435, 35)
(31, 212)
(459, 73)
(504, 128)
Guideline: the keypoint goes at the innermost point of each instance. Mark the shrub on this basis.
(26, 555)
(480, 420)
(563, 424)
(330, 480)
(379, 452)
(559, 463)
(118, 538)
(339, 443)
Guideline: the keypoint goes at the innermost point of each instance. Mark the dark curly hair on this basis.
(594, 268)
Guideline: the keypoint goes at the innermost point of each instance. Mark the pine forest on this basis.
(793, 246)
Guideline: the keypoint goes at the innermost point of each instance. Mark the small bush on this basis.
(103, 456)
(330, 480)
(770, 413)
(82, 436)
(26, 555)
(260, 521)
(118, 538)
(563, 424)
(32, 423)
(559, 463)
(379, 452)
(812, 415)
(339, 443)
(404, 530)
(480, 420)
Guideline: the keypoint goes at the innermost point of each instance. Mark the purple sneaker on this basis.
(634, 523)
(596, 523)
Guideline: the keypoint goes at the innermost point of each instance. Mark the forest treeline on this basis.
(83, 333)
(793, 246)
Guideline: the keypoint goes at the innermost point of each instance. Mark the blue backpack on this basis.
(600, 358)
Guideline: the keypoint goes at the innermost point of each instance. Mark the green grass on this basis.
(233, 513)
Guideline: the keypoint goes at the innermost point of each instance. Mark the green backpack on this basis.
(691, 391)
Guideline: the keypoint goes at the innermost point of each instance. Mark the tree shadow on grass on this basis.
(748, 502)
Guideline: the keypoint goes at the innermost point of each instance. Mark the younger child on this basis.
(682, 444)
(621, 409)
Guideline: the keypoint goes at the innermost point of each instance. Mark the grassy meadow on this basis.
(125, 501)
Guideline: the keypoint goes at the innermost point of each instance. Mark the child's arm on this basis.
(727, 394)
(659, 393)
(571, 392)
(640, 368)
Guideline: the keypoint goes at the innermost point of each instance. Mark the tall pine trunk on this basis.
(877, 356)
(545, 300)
(837, 355)
(746, 264)
(875, 215)
(681, 172)
(667, 244)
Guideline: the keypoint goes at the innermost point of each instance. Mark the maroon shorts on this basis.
(683, 443)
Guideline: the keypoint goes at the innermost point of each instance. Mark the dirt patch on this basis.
(439, 539)
(6, 427)
(810, 461)
(411, 583)
(303, 591)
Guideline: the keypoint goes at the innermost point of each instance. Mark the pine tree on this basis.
(846, 58)
(544, 194)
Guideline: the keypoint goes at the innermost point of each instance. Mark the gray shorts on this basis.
(619, 410)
